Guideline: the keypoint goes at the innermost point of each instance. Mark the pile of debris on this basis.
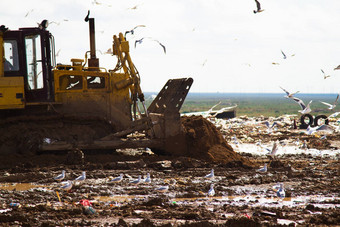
(204, 141)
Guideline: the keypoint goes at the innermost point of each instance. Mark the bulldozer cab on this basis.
(27, 57)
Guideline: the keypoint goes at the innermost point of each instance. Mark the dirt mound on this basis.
(205, 141)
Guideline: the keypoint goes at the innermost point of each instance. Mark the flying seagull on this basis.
(304, 109)
(258, 6)
(273, 151)
(269, 127)
(324, 74)
(132, 31)
(289, 95)
(336, 68)
(141, 40)
(311, 130)
(331, 106)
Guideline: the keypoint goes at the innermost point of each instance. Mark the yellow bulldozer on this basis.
(48, 106)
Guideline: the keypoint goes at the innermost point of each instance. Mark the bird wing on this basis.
(267, 124)
(139, 41)
(300, 102)
(162, 46)
(214, 106)
(327, 104)
(325, 128)
(285, 91)
(284, 56)
(334, 114)
(138, 26)
(336, 100)
(258, 5)
(336, 68)
(275, 123)
(322, 71)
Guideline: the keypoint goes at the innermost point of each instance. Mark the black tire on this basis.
(304, 125)
(317, 118)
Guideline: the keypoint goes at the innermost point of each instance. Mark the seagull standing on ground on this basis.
(82, 177)
(331, 106)
(61, 176)
(281, 192)
(304, 109)
(211, 191)
(289, 95)
(66, 185)
(258, 7)
(162, 188)
(148, 178)
(263, 169)
(210, 175)
(117, 179)
(137, 181)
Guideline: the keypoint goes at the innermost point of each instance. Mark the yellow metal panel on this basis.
(12, 94)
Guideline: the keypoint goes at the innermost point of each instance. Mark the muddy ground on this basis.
(29, 195)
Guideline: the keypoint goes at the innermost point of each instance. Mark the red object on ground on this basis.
(85, 202)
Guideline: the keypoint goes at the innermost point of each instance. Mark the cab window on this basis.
(11, 56)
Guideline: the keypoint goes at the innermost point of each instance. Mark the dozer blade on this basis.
(172, 96)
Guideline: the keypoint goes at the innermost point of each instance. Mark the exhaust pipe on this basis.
(93, 61)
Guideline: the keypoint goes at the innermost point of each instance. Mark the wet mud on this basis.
(30, 196)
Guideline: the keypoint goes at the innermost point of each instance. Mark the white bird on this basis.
(141, 40)
(258, 7)
(234, 140)
(132, 31)
(304, 109)
(273, 151)
(117, 179)
(324, 74)
(270, 127)
(148, 178)
(334, 115)
(289, 95)
(331, 106)
(162, 188)
(61, 176)
(263, 169)
(211, 191)
(311, 130)
(281, 192)
(66, 185)
(211, 174)
(137, 181)
(82, 177)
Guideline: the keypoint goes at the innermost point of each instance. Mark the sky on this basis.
(221, 44)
